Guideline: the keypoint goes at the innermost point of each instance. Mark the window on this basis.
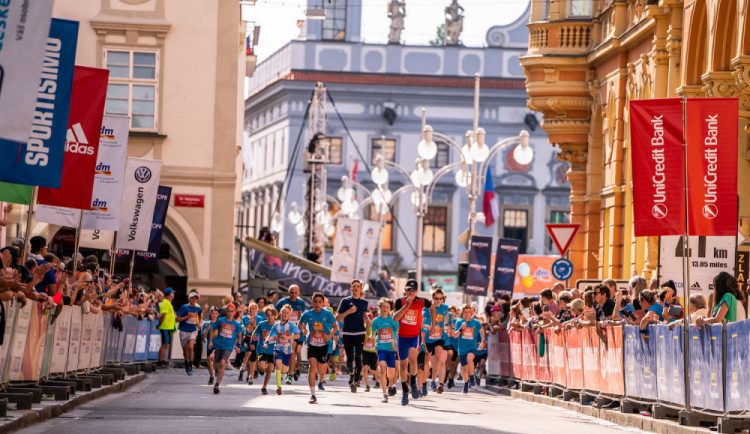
(515, 225)
(442, 158)
(435, 230)
(334, 25)
(581, 8)
(133, 86)
(335, 150)
(386, 235)
(385, 146)
(545, 10)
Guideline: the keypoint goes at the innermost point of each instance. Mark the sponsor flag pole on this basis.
(29, 218)
(113, 255)
(77, 243)
(686, 266)
(132, 264)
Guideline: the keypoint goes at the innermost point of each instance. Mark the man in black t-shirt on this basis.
(605, 306)
(351, 312)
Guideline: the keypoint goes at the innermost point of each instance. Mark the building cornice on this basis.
(197, 177)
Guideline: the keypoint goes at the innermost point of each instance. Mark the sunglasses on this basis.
(439, 299)
(411, 289)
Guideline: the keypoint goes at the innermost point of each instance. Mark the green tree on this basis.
(440, 38)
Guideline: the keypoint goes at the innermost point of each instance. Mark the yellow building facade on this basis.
(587, 60)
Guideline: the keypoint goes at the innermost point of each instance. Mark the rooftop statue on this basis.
(454, 23)
(396, 12)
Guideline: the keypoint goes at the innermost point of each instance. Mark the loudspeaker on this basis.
(463, 268)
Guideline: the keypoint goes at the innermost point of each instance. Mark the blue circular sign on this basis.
(562, 269)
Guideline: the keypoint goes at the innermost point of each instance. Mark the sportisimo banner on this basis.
(712, 164)
(506, 260)
(106, 199)
(658, 167)
(138, 202)
(25, 26)
(478, 275)
(345, 250)
(84, 126)
(38, 158)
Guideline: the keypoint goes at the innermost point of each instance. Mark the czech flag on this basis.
(489, 204)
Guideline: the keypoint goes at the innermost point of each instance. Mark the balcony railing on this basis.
(560, 37)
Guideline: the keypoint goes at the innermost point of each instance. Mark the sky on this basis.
(278, 20)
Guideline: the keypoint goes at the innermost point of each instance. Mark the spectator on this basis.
(697, 306)
(612, 285)
(166, 326)
(383, 287)
(654, 310)
(653, 284)
(727, 291)
(261, 302)
(271, 297)
(637, 284)
(576, 293)
(605, 302)
(48, 285)
(675, 313)
(548, 299)
(558, 288)
(563, 301)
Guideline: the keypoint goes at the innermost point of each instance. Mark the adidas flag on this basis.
(84, 125)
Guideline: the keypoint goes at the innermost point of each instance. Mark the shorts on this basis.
(186, 337)
(404, 344)
(166, 336)
(318, 353)
(253, 355)
(479, 357)
(333, 352)
(220, 355)
(389, 357)
(268, 358)
(370, 359)
(209, 352)
(448, 348)
(431, 346)
(420, 360)
(278, 355)
(464, 357)
(300, 341)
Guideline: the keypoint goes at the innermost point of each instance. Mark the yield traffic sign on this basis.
(562, 235)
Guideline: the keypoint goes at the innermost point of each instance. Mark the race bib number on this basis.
(192, 318)
(227, 331)
(467, 333)
(284, 339)
(437, 334)
(294, 317)
(370, 344)
(410, 318)
(318, 339)
(386, 336)
(250, 328)
(265, 335)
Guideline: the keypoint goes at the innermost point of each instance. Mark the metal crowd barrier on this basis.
(637, 371)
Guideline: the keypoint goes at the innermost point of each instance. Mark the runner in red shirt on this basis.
(409, 315)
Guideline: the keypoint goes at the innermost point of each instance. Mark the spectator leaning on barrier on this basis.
(727, 291)
(48, 285)
(548, 299)
(166, 326)
(605, 302)
(558, 288)
(697, 306)
(637, 284)
(654, 310)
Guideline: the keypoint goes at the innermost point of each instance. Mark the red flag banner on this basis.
(82, 141)
(658, 167)
(712, 165)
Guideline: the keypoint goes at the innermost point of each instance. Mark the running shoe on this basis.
(264, 391)
(187, 369)
(414, 391)
(466, 388)
(190, 372)
(288, 379)
(404, 399)
(392, 391)
(377, 384)
(367, 388)
(242, 372)
(216, 389)
(320, 386)
(471, 381)
(433, 386)
(255, 374)
(424, 389)
(385, 398)
(249, 380)
(210, 381)
(338, 372)
(278, 390)
(353, 387)
(296, 375)
(451, 383)
(332, 377)
(460, 377)
(313, 400)
(440, 388)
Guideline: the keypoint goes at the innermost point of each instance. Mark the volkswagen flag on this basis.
(138, 201)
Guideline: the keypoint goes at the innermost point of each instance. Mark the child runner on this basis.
(436, 342)
(228, 334)
(249, 323)
(452, 350)
(298, 306)
(370, 353)
(323, 326)
(265, 353)
(334, 351)
(470, 337)
(385, 328)
(282, 333)
(189, 317)
(213, 315)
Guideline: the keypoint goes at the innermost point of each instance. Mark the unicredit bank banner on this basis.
(82, 141)
(138, 201)
(38, 159)
(658, 167)
(712, 165)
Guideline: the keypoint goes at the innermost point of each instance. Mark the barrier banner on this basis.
(49, 346)
(556, 346)
(670, 364)
(141, 342)
(706, 376)
(592, 373)
(130, 325)
(711, 138)
(96, 347)
(530, 355)
(493, 354)
(737, 393)
(76, 330)
(544, 362)
(610, 358)
(640, 363)
(35, 343)
(504, 353)
(10, 313)
(19, 342)
(478, 274)
(112, 336)
(62, 340)
(345, 250)
(154, 341)
(574, 346)
(516, 353)
(87, 337)
(37, 159)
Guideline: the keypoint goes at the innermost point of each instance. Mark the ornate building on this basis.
(586, 61)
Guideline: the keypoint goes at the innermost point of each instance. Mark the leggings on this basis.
(352, 343)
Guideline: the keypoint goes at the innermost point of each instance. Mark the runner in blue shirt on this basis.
(249, 324)
(334, 351)
(283, 333)
(265, 353)
(206, 335)
(189, 318)
(386, 329)
(438, 339)
(228, 333)
(451, 365)
(322, 327)
(298, 307)
(470, 336)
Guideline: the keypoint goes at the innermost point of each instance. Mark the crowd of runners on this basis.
(422, 343)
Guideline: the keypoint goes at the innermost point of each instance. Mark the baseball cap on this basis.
(411, 284)
(495, 308)
(168, 291)
(675, 310)
(193, 294)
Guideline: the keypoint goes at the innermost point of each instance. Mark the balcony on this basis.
(560, 38)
